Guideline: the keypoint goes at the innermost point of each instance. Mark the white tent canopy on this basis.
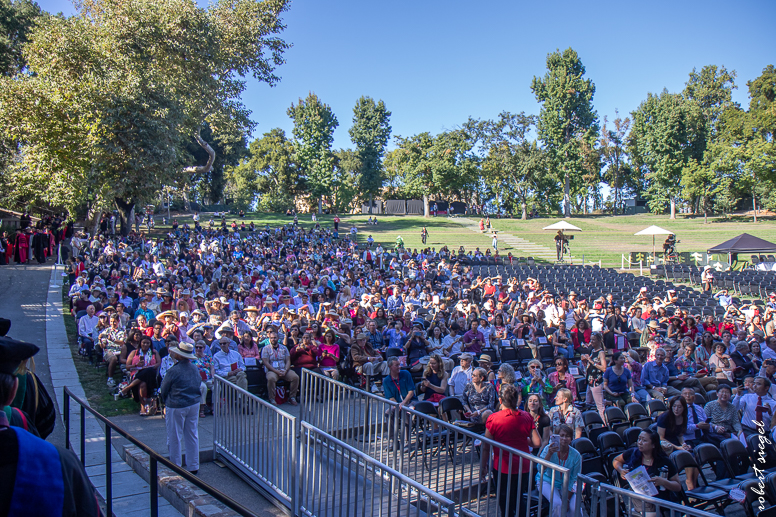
(563, 225)
(654, 230)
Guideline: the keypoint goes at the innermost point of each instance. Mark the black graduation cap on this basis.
(13, 352)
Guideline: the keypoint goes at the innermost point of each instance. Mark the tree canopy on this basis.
(314, 125)
(567, 121)
(116, 93)
(370, 133)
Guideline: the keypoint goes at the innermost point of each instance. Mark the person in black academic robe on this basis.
(38, 246)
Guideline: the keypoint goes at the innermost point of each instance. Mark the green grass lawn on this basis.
(606, 238)
(603, 238)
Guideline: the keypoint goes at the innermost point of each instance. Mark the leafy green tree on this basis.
(567, 117)
(347, 177)
(746, 149)
(711, 91)
(615, 156)
(660, 145)
(515, 168)
(17, 19)
(118, 91)
(268, 172)
(229, 150)
(370, 133)
(314, 125)
(431, 165)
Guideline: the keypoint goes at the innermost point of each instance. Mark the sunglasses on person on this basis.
(559, 364)
(199, 347)
(534, 367)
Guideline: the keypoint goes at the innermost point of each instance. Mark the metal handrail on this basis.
(155, 459)
(601, 491)
(368, 460)
(330, 416)
(436, 421)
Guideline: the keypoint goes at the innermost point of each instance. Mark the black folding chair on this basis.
(704, 496)
(637, 415)
(708, 454)
(737, 458)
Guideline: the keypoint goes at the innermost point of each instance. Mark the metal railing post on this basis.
(83, 436)
(108, 473)
(67, 419)
(154, 488)
(296, 443)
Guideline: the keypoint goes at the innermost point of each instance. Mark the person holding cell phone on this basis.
(558, 451)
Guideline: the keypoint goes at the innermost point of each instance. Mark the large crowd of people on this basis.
(257, 305)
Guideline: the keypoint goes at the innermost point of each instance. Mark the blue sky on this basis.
(435, 63)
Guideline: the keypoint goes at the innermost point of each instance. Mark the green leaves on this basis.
(370, 133)
(567, 118)
(17, 19)
(119, 90)
(314, 124)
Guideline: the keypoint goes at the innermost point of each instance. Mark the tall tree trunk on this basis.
(616, 185)
(567, 196)
(124, 208)
(93, 215)
(524, 206)
(371, 202)
(673, 207)
(426, 212)
(754, 204)
(186, 202)
(320, 205)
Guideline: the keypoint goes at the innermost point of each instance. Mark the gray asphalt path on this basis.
(23, 290)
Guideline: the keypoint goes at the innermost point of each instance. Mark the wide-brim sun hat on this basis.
(185, 350)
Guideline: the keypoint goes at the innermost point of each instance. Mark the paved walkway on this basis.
(524, 247)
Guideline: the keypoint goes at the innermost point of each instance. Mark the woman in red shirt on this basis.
(516, 429)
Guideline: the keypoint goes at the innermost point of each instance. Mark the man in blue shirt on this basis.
(655, 376)
(398, 387)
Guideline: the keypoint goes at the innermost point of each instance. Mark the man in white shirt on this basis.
(461, 375)
(86, 326)
(229, 364)
(757, 409)
(768, 349)
(553, 314)
(453, 343)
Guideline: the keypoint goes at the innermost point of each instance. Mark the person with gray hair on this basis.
(505, 375)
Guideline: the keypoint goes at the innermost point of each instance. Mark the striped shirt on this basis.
(727, 417)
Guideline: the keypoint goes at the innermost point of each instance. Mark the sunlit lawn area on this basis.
(603, 238)
(606, 238)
